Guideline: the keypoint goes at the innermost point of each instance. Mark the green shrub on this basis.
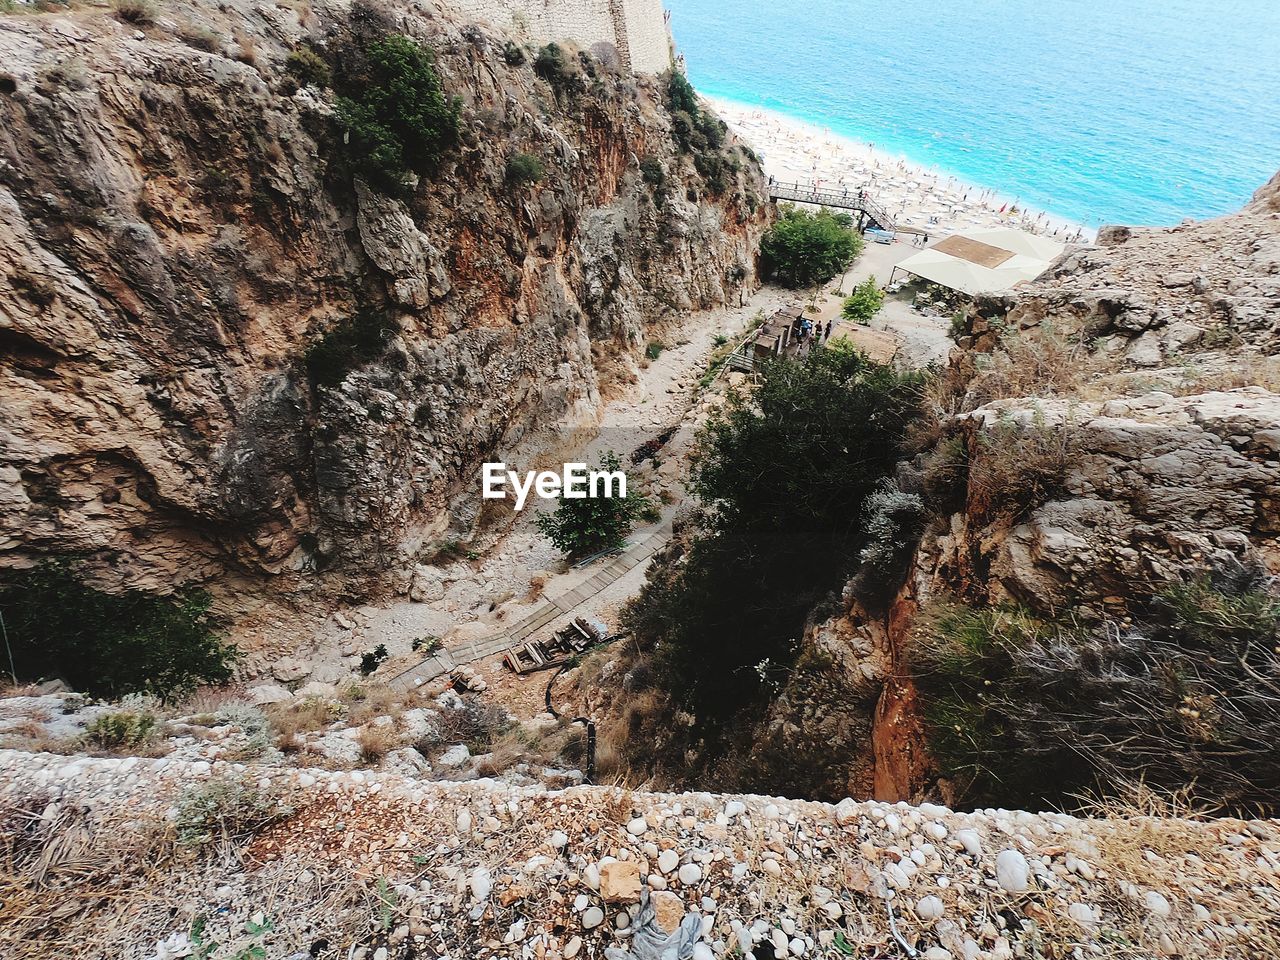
(680, 94)
(782, 475)
(585, 525)
(120, 729)
(513, 54)
(554, 65)
(864, 303)
(111, 644)
(654, 349)
(396, 118)
(223, 809)
(525, 168)
(805, 248)
(652, 172)
(308, 67)
(371, 660)
(351, 344)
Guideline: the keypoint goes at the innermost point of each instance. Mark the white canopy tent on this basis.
(983, 261)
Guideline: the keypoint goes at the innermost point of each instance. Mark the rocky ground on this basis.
(307, 862)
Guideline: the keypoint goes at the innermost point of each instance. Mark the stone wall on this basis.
(637, 28)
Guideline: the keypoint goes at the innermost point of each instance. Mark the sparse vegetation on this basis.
(121, 729)
(350, 344)
(525, 168)
(111, 644)
(222, 810)
(308, 67)
(804, 248)
(394, 115)
(1025, 711)
(140, 13)
(555, 65)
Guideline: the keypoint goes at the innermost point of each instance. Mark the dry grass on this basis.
(292, 720)
(1017, 466)
(1039, 362)
(140, 13)
(376, 742)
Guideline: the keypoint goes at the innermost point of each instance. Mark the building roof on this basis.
(984, 261)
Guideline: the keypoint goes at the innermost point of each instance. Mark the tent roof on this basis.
(984, 261)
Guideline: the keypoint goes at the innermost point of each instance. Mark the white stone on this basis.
(1012, 871)
(572, 947)
(929, 908)
(1157, 904)
(559, 839)
(480, 883)
(733, 808)
(846, 812)
(592, 917)
(637, 826)
(455, 756)
(971, 842)
(690, 874)
(668, 860)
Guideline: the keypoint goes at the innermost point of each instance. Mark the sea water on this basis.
(1098, 111)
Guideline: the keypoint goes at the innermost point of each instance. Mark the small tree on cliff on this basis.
(396, 118)
(581, 526)
(804, 248)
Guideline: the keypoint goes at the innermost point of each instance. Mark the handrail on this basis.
(810, 193)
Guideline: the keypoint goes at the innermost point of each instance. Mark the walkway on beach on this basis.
(610, 570)
(870, 213)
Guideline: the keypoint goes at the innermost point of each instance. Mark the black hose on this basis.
(590, 773)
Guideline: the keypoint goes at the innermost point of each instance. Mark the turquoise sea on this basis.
(1098, 111)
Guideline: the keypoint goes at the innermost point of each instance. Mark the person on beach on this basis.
(827, 336)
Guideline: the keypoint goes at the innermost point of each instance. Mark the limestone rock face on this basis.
(1156, 485)
(177, 230)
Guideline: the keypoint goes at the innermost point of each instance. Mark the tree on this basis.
(581, 526)
(864, 303)
(111, 644)
(805, 248)
(397, 119)
(782, 475)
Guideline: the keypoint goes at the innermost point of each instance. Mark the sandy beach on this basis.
(792, 150)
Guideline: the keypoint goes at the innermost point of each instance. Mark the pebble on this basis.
(690, 874)
(668, 860)
(1012, 871)
(571, 948)
(637, 826)
(929, 908)
(592, 917)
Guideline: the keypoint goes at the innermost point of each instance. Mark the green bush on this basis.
(354, 342)
(371, 660)
(525, 168)
(111, 644)
(308, 67)
(680, 94)
(513, 54)
(782, 475)
(654, 349)
(120, 729)
(652, 172)
(805, 248)
(864, 303)
(396, 118)
(585, 525)
(1029, 712)
(554, 65)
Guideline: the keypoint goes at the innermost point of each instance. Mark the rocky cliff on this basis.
(178, 231)
(1102, 435)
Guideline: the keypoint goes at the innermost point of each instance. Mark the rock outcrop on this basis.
(1108, 430)
(177, 231)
